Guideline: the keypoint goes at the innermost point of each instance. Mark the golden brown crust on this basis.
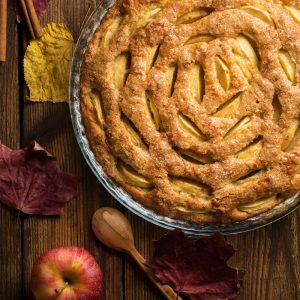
(193, 106)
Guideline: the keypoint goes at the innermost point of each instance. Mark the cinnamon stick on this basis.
(31, 19)
(3, 29)
(34, 19)
(27, 18)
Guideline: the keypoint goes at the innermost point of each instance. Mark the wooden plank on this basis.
(137, 285)
(272, 266)
(270, 257)
(50, 125)
(10, 233)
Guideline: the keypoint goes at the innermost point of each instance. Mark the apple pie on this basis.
(193, 106)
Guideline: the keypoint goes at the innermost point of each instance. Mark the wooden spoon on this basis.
(113, 229)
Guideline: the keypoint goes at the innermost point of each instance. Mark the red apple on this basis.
(66, 273)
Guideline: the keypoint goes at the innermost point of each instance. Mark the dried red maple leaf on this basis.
(195, 267)
(32, 182)
(40, 8)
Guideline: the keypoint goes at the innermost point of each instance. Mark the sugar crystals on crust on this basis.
(193, 106)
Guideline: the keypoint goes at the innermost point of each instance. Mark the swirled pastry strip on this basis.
(193, 106)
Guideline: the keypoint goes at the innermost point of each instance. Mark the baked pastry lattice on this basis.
(193, 106)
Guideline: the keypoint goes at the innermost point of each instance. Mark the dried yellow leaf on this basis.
(47, 64)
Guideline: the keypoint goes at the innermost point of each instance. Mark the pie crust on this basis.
(193, 106)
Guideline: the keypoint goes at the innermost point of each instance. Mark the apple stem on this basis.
(59, 290)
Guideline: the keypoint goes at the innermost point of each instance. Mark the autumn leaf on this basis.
(32, 182)
(195, 267)
(40, 8)
(47, 64)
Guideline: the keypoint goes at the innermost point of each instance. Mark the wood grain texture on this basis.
(137, 286)
(269, 255)
(51, 126)
(10, 224)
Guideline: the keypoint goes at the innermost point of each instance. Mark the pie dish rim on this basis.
(118, 192)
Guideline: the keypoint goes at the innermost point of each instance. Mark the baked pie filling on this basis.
(193, 106)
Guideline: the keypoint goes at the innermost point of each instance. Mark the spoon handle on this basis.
(166, 290)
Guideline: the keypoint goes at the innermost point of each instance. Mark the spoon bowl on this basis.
(113, 229)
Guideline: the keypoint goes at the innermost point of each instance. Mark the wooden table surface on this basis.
(269, 255)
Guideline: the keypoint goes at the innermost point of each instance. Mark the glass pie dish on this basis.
(119, 193)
